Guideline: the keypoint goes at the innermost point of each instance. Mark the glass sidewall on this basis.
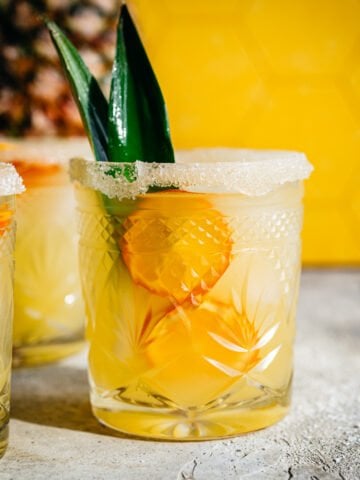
(7, 237)
(51, 327)
(263, 277)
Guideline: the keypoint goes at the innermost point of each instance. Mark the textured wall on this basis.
(270, 74)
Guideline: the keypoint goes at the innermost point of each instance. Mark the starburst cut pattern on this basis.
(231, 336)
(213, 346)
(229, 344)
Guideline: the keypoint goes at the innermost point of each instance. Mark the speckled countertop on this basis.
(54, 436)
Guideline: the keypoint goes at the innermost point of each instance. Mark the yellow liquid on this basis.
(6, 312)
(269, 74)
(190, 301)
(48, 317)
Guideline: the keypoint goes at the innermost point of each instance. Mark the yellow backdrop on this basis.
(270, 74)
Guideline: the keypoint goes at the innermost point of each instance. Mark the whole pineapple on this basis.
(34, 96)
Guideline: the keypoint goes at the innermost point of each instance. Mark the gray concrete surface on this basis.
(54, 436)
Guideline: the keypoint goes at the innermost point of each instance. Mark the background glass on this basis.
(48, 319)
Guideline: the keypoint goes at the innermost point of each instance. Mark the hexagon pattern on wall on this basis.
(270, 74)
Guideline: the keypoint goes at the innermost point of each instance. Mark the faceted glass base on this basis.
(45, 353)
(182, 425)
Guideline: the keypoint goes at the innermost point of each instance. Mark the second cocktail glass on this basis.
(49, 316)
(191, 290)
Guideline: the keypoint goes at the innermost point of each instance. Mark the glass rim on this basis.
(10, 181)
(245, 171)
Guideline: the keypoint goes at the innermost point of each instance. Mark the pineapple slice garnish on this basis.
(173, 248)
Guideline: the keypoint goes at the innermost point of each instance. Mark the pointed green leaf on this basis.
(91, 102)
(124, 128)
(138, 123)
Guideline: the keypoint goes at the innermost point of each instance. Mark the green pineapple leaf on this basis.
(91, 102)
(138, 125)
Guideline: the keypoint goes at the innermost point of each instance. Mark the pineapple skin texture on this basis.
(35, 99)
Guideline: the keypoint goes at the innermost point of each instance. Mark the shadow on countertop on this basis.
(57, 396)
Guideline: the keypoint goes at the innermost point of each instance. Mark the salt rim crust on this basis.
(10, 181)
(249, 172)
(45, 150)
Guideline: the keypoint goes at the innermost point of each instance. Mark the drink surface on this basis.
(190, 300)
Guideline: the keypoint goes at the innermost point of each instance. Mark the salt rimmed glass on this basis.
(49, 314)
(10, 184)
(191, 290)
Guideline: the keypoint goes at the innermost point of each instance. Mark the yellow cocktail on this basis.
(48, 318)
(10, 184)
(191, 290)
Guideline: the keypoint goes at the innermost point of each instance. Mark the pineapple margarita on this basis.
(48, 317)
(191, 291)
(189, 264)
(10, 184)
